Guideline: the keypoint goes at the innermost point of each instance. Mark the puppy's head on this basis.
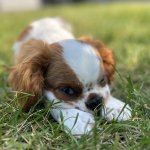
(74, 72)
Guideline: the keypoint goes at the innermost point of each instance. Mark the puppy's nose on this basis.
(94, 102)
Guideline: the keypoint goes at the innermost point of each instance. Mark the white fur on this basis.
(47, 29)
(74, 121)
(115, 109)
(101, 91)
(82, 59)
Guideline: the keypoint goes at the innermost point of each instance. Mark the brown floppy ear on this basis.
(105, 53)
(27, 76)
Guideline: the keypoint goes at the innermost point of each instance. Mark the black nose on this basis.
(94, 103)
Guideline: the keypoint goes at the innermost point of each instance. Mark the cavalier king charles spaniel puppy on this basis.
(73, 73)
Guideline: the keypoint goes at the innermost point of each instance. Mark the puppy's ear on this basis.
(105, 53)
(27, 76)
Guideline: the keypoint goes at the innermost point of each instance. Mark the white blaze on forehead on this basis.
(82, 59)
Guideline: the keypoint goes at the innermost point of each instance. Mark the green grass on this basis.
(125, 29)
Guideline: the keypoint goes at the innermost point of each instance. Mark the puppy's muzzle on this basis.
(94, 103)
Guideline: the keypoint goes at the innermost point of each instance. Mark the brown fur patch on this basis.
(27, 75)
(24, 33)
(59, 75)
(105, 53)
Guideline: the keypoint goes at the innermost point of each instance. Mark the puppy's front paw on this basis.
(116, 110)
(120, 113)
(75, 121)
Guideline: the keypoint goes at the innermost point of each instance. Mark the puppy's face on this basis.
(75, 73)
(76, 76)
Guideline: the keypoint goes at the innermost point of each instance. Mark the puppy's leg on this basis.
(74, 121)
(115, 109)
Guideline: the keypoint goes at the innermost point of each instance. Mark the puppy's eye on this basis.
(68, 91)
(103, 81)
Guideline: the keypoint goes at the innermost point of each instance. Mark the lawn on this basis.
(126, 30)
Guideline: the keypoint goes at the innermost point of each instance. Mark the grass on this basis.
(125, 29)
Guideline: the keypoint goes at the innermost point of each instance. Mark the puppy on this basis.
(73, 73)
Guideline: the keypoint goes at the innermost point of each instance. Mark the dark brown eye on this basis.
(103, 81)
(68, 91)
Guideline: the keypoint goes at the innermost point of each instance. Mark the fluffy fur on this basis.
(74, 73)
